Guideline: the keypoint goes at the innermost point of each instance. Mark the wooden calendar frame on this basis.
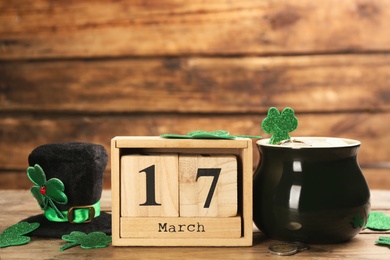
(240, 147)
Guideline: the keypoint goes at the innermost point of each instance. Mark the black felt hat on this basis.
(68, 180)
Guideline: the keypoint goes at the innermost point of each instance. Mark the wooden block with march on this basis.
(208, 185)
(188, 227)
(149, 185)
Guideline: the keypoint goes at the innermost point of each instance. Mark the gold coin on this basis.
(283, 249)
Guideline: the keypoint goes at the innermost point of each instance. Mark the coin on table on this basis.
(283, 249)
(301, 246)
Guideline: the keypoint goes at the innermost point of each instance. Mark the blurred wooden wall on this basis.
(92, 70)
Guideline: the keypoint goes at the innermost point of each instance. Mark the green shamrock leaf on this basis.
(201, 134)
(357, 221)
(92, 240)
(383, 241)
(279, 124)
(46, 192)
(378, 221)
(14, 235)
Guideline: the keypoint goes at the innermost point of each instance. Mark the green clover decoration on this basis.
(86, 241)
(383, 241)
(378, 221)
(201, 134)
(279, 124)
(47, 192)
(14, 235)
(357, 221)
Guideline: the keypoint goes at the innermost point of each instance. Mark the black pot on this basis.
(310, 194)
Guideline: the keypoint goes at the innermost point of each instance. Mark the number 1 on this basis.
(150, 187)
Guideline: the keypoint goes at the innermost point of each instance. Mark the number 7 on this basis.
(209, 172)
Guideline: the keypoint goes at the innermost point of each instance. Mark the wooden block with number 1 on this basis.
(149, 185)
(208, 185)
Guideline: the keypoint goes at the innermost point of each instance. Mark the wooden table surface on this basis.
(15, 205)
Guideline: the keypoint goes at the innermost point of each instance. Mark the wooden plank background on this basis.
(92, 70)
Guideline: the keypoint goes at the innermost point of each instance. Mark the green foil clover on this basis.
(86, 241)
(279, 124)
(14, 235)
(201, 134)
(47, 192)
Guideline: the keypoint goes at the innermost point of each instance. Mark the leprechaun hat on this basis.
(67, 183)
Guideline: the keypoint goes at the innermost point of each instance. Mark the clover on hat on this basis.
(68, 179)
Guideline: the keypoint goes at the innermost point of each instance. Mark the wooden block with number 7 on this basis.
(208, 185)
(149, 185)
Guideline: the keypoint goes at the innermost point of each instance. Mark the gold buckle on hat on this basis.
(72, 210)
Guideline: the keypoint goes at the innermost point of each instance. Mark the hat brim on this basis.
(51, 229)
